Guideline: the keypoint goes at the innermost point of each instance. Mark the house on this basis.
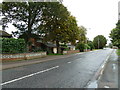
(51, 48)
(70, 46)
(40, 46)
(5, 34)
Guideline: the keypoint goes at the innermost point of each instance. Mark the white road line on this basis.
(114, 66)
(106, 87)
(29, 75)
(68, 62)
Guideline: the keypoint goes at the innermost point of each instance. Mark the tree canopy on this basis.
(82, 34)
(99, 42)
(49, 20)
(115, 35)
(25, 16)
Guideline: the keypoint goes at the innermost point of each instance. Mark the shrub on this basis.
(11, 45)
(86, 46)
(91, 45)
(80, 46)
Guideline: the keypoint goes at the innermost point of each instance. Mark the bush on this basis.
(87, 46)
(80, 46)
(118, 52)
(11, 45)
(91, 45)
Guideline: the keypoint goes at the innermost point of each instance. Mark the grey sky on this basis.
(98, 16)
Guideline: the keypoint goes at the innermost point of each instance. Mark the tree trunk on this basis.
(58, 47)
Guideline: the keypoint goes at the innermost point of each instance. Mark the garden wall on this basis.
(22, 56)
(71, 51)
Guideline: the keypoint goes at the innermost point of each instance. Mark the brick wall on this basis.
(71, 51)
(22, 56)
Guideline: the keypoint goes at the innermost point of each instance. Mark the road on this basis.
(71, 72)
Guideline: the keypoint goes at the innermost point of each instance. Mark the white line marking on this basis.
(114, 66)
(68, 62)
(29, 75)
(106, 87)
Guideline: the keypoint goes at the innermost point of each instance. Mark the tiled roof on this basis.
(4, 34)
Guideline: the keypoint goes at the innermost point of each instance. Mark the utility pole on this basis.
(98, 42)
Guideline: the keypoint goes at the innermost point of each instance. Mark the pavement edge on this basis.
(98, 74)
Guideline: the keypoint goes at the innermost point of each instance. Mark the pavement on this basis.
(65, 71)
(109, 78)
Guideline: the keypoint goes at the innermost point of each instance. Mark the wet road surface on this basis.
(109, 78)
(71, 72)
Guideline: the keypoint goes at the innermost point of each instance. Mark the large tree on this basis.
(99, 42)
(25, 16)
(59, 25)
(82, 35)
(49, 19)
(115, 35)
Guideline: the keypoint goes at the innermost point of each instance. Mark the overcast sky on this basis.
(98, 16)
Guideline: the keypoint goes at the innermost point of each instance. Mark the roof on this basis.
(53, 45)
(50, 45)
(4, 34)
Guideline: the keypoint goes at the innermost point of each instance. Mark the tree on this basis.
(90, 43)
(52, 21)
(115, 35)
(82, 35)
(99, 42)
(25, 16)
(80, 46)
(59, 25)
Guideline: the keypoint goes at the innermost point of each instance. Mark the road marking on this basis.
(114, 66)
(29, 75)
(106, 87)
(68, 62)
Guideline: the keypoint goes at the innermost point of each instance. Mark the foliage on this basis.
(115, 35)
(58, 25)
(118, 52)
(87, 46)
(11, 45)
(51, 21)
(82, 34)
(80, 46)
(110, 45)
(90, 43)
(99, 42)
(25, 16)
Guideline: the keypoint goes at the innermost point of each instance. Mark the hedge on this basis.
(12, 45)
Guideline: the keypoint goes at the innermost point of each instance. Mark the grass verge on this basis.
(118, 52)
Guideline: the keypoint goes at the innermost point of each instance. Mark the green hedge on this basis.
(11, 45)
(118, 52)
